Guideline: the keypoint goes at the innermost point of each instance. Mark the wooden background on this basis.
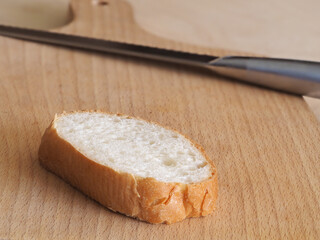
(283, 29)
(265, 144)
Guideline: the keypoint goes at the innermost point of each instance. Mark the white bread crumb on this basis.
(134, 146)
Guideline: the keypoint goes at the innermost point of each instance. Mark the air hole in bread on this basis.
(201, 165)
(169, 162)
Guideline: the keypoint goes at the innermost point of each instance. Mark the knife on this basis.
(288, 75)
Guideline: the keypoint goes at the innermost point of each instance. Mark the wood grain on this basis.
(270, 28)
(265, 144)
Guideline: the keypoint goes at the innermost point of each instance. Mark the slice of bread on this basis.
(131, 166)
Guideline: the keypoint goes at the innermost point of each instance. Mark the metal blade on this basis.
(106, 46)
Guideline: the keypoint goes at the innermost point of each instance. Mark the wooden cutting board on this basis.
(265, 144)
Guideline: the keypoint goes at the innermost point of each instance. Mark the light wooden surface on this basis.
(274, 28)
(265, 144)
(284, 29)
(39, 14)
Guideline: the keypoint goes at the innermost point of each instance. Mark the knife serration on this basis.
(106, 46)
(292, 76)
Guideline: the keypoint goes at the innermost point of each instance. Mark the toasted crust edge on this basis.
(144, 198)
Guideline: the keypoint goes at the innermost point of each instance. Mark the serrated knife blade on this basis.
(288, 75)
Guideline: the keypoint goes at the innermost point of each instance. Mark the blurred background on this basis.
(284, 29)
(288, 29)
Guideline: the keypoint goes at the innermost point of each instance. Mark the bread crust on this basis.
(144, 198)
